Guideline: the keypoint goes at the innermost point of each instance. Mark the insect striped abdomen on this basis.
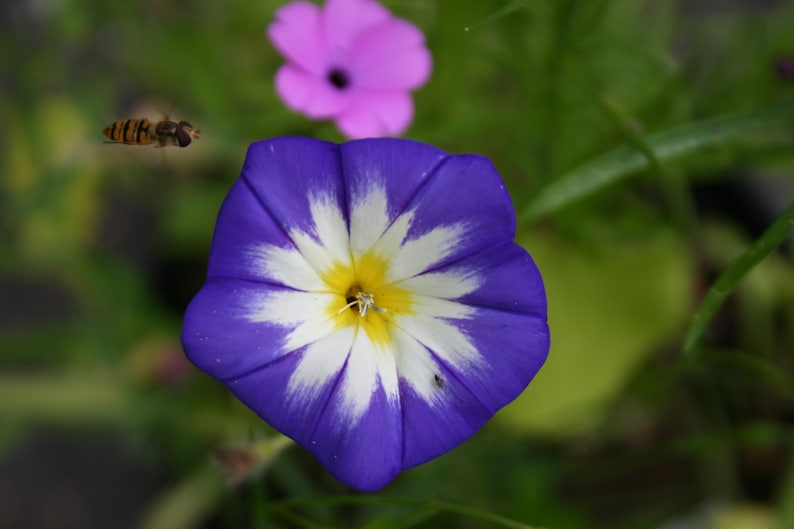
(133, 131)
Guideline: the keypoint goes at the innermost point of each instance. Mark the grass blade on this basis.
(623, 123)
(507, 9)
(616, 165)
(726, 283)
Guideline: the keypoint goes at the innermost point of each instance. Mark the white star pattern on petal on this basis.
(372, 347)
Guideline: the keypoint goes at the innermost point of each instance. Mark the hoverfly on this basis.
(142, 132)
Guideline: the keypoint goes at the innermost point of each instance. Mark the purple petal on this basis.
(310, 94)
(399, 166)
(270, 196)
(512, 284)
(313, 380)
(242, 224)
(345, 20)
(365, 453)
(514, 348)
(374, 114)
(510, 333)
(391, 56)
(453, 422)
(298, 34)
(465, 190)
(265, 391)
(284, 172)
(509, 329)
(219, 339)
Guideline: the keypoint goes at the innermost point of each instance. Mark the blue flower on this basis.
(368, 301)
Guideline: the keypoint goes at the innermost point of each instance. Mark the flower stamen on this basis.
(364, 300)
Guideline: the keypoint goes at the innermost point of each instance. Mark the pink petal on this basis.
(297, 33)
(345, 20)
(391, 55)
(377, 114)
(310, 94)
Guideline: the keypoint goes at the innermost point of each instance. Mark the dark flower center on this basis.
(355, 295)
(338, 78)
(352, 293)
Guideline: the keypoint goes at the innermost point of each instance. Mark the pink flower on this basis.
(350, 61)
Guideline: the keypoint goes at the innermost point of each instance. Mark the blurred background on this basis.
(103, 423)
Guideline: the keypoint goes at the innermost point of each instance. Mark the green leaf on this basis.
(608, 310)
(618, 164)
(726, 283)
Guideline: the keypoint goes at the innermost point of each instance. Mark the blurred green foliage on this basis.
(102, 246)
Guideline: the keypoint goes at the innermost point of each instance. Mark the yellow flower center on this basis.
(365, 300)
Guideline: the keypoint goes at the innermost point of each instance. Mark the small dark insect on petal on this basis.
(438, 380)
